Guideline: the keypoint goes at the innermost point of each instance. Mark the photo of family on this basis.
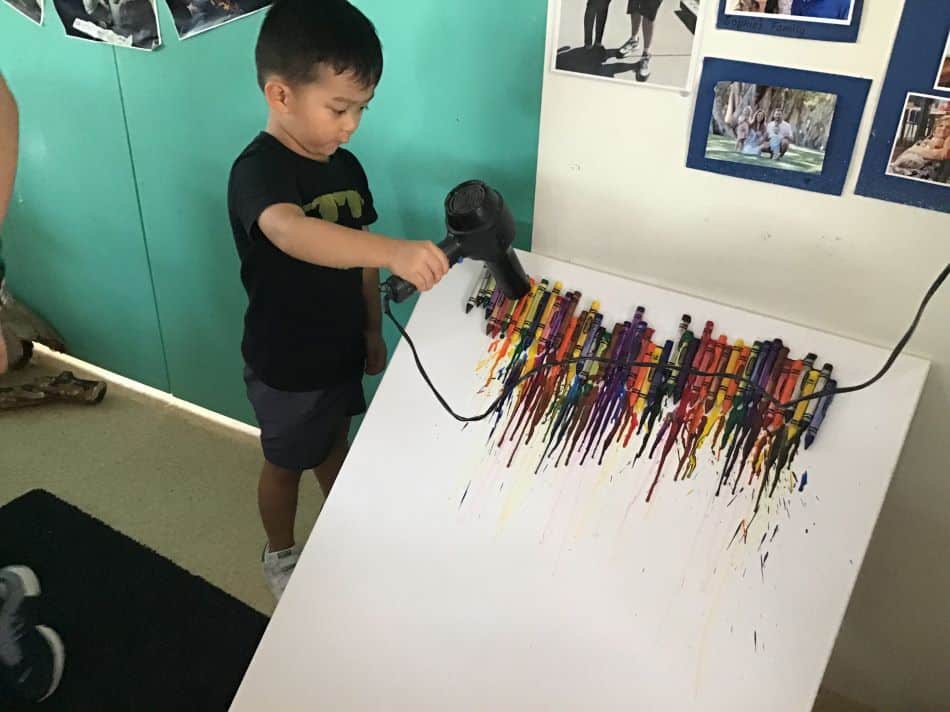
(770, 126)
(646, 42)
(921, 148)
(33, 9)
(943, 71)
(834, 11)
(126, 23)
(192, 17)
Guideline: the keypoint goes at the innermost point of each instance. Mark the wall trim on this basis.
(150, 392)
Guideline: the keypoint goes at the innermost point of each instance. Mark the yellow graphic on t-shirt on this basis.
(329, 205)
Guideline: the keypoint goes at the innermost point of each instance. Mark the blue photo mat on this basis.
(797, 29)
(915, 60)
(852, 94)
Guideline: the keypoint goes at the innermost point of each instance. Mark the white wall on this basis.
(613, 193)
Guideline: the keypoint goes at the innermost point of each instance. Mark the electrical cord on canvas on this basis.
(669, 366)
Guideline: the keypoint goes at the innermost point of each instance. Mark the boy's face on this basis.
(321, 115)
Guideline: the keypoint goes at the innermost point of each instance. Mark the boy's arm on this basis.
(324, 243)
(9, 139)
(375, 345)
(374, 299)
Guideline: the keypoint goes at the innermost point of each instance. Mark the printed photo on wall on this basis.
(649, 43)
(921, 148)
(770, 126)
(777, 125)
(906, 159)
(827, 20)
(125, 23)
(834, 11)
(943, 72)
(32, 9)
(192, 17)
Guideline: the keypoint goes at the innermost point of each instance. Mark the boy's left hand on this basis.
(375, 353)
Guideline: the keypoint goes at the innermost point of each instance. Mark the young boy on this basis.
(299, 206)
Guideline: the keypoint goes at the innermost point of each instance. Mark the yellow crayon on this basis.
(645, 390)
(808, 387)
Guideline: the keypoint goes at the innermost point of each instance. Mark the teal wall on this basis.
(460, 99)
(73, 242)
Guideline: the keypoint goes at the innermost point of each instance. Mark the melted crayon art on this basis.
(661, 416)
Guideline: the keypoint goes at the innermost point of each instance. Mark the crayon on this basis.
(484, 294)
(823, 406)
(479, 285)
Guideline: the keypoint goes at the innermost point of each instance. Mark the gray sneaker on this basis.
(32, 657)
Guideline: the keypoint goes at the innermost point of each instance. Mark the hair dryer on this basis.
(480, 227)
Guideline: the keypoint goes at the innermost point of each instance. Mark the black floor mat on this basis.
(140, 632)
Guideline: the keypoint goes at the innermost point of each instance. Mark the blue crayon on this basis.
(822, 411)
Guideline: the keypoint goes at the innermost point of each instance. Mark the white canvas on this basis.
(439, 578)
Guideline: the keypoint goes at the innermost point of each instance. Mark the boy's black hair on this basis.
(299, 35)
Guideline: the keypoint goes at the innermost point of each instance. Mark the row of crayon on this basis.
(542, 328)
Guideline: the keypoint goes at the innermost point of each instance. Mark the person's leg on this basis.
(632, 45)
(775, 147)
(601, 22)
(784, 147)
(635, 21)
(589, 16)
(650, 8)
(647, 35)
(277, 494)
(327, 471)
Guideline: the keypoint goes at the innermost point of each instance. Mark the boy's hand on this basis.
(421, 263)
(375, 353)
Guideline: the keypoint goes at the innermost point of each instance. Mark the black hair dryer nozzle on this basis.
(480, 227)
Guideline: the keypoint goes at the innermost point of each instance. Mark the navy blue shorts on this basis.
(298, 429)
(646, 8)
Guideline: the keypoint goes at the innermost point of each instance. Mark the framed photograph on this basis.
(769, 126)
(906, 159)
(124, 23)
(830, 20)
(943, 71)
(192, 17)
(921, 147)
(778, 125)
(647, 43)
(32, 9)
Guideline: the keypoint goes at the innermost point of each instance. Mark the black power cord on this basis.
(669, 366)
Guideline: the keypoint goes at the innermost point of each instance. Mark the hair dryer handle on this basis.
(399, 290)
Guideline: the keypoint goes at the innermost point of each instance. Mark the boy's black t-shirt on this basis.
(303, 329)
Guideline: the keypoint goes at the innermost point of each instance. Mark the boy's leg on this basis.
(650, 10)
(277, 500)
(632, 45)
(635, 20)
(327, 471)
(647, 35)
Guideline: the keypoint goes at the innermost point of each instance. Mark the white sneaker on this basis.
(630, 47)
(278, 567)
(643, 71)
